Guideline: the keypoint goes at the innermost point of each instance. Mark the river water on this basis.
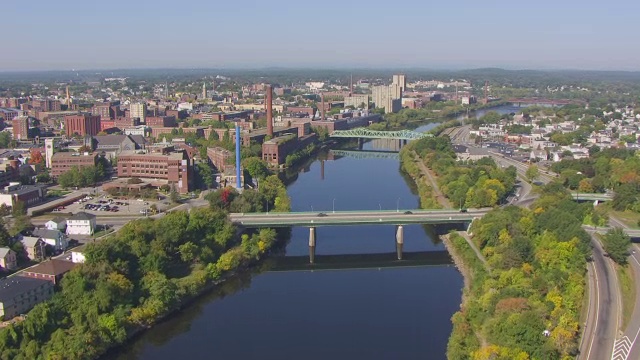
(328, 310)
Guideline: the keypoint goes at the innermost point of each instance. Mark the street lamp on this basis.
(334, 205)
(398, 205)
(311, 208)
(380, 206)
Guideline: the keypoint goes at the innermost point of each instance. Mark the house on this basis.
(19, 294)
(77, 254)
(35, 247)
(539, 155)
(8, 259)
(55, 238)
(52, 270)
(57, 223)
(81, 224)
(469, 153)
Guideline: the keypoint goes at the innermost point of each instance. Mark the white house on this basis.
(54, 238)
(77, 255)
(81, 224)
(57, 223)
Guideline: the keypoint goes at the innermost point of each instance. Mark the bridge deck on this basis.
(385, 217)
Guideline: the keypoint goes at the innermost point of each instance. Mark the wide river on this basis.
(367, 306)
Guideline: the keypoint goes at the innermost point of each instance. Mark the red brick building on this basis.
(52, 270)
(175, 167)
(21, 128)
(82, 124)
(63, 161)
(276, 150)
(161, 121)
(219, 157)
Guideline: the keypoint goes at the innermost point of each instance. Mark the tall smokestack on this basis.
(269, 101)
(238, 173)
(68, 98)
(322, 109)
(351, 86)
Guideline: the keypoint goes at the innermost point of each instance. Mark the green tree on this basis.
(532, 172)
(616, 243)
(256, 167)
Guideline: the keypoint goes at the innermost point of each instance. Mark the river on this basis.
(384, 312)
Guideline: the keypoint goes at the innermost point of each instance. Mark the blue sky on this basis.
(539, 34)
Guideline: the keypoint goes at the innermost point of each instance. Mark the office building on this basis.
(401, 81)
(82, 124)
(172, 166)
(138, 111)
(63, 161)
(20, 128)
(387, 97)
(357, 101)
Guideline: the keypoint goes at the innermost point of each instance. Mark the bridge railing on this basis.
(366, 133)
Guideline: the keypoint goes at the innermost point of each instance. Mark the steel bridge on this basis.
(366, 154)
(365, 133)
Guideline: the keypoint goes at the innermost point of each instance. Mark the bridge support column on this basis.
(360, 143)
(312, 245)
(399, 240)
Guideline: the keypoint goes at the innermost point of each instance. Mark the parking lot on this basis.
(104, 205)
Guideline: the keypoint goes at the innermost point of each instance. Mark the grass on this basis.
(628, 290)
(630, 218)
(57, 193)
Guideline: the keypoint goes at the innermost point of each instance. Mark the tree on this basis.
(256, 167)
(616, 243)
(35, 157)
(173, 195)
(134, 180)
(532, 172)
(20, 208)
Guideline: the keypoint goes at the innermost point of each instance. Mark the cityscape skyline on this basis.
(544, 35)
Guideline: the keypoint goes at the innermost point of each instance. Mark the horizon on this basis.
(544, 35)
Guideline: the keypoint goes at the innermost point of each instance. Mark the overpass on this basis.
(365, 133)
(633, 233)
(361, 261)
(591, 196)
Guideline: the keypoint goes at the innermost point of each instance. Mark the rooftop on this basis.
(82, 216)
(16, 285)
(52, 267)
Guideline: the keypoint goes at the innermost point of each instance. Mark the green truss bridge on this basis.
(364, 133)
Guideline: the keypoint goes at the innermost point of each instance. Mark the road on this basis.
(627, 344)
(384, 217)
(603, 319)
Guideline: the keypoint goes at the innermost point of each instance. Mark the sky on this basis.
(116, 34)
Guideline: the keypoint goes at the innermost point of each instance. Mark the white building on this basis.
(141, 130)
(57, 223)
(54, 238)
(81, 224)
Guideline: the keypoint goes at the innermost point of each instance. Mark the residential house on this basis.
(539, 155)
(81, 224)
(77, 254)
(19, 294)
(57, 223)
(35, 247)
(52, 270)
(8, 260)
(55, 238)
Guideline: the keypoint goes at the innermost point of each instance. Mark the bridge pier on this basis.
(360, 143)
(312, 245)
(399, 240)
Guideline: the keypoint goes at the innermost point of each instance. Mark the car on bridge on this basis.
(322, 214)
(408, 212)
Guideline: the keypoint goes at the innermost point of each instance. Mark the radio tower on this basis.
(486, 92)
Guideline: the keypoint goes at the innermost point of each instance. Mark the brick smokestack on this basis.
(269, 101)
(322, 108)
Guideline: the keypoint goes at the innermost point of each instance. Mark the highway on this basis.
(626, 346)
(399, 217)
(604, 315)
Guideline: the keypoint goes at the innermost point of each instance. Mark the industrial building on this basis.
(167, 164)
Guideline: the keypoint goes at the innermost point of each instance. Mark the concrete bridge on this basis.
(633, 233)
(399, 218)
(374, 217)
(365, 133)
(591, 197)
